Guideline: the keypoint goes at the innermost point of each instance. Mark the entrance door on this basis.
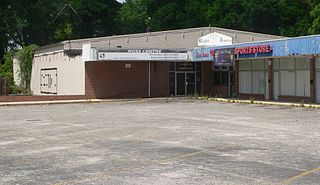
(181, 84)
(186, 83)
(190, 83)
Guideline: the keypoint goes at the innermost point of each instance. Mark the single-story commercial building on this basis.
(282, 70)
(137, 65)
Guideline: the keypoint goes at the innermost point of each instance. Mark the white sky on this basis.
(121, 1)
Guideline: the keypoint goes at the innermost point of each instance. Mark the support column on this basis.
(207, 78)
(313, 79)
(270, 76)
(149, 79)
(236, 77)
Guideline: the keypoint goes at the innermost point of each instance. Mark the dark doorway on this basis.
(190, 83)
(185, 78)
(186, 83)
(181, 84)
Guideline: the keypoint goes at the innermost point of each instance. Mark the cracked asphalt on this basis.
(159, 141)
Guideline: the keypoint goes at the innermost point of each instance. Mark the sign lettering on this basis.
(253, 49)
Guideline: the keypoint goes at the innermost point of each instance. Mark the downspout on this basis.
(149, 83)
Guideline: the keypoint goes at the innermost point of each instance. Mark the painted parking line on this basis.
(138, 166)
(147, 164)
(296, 177)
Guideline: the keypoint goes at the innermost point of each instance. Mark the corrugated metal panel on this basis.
(307, 45)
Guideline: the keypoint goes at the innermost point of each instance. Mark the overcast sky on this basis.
(121, 1)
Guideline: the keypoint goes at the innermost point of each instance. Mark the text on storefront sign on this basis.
(253, 49)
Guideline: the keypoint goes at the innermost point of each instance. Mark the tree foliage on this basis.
(25, 57)
(43, 22)
(6, 68)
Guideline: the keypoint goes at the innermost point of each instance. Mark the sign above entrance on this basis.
(218, 56)
(214, 39)
(224, 56)
(202, 54)
(253, 49)
(185, 66)
(143, 55)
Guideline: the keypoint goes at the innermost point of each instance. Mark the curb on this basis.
(225, 100)
(2, 104)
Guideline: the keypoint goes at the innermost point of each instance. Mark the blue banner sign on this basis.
(224, 56)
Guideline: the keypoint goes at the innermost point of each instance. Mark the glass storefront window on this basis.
(245, 82)
(198, 66)
(318, 64)
(302, 63)
(185, 66)
(287, 63)
(252, 76)
(172, 66)
(294, 77)
(245, 65)
(276, 64)
(258, 65)
(287, 81)
(221, 77)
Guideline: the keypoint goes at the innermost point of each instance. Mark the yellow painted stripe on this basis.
(77, 180)
(296, 177)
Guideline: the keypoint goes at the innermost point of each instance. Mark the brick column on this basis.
(236, 77)
(312, 79)
(270, 80)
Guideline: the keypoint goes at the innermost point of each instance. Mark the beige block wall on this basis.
(71, 74)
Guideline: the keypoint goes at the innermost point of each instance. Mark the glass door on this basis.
(186, 83)
(181, 84)
(190, 83)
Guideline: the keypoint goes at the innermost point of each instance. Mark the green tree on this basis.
(315, 15)
(25, 57)
(6, 68)
(94, 18)
(134, 17)
(294, 19)
(227, 14)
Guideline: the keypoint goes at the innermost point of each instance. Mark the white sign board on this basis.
(143, 55)
(86, 52)
(214, 39)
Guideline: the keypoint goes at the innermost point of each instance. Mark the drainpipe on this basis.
(149, 86)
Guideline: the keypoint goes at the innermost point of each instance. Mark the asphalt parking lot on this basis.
(159, 142)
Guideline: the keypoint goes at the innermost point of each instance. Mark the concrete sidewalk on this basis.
(287, 104)
(64, 102)
(226, 100)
